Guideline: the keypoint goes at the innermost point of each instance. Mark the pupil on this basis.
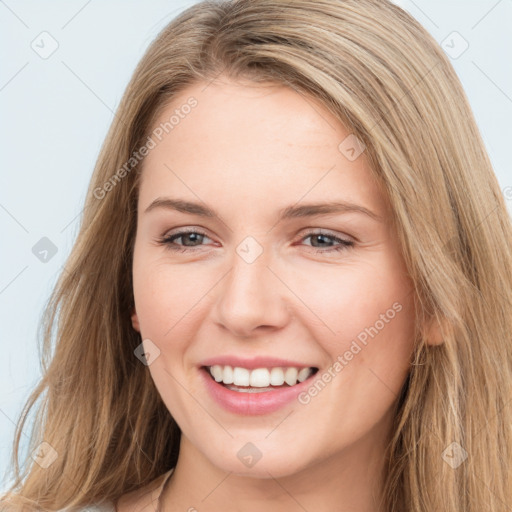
(192, 235)
(320, 238)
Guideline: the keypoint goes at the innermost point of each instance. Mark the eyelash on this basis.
(168, 241)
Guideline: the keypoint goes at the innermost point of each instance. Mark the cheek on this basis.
(170, 301)
(350, 299)
(159, 296)
(370, 315)
(368, 310)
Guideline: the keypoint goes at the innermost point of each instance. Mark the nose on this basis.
(251, 298)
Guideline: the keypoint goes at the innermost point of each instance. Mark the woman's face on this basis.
(274, 272)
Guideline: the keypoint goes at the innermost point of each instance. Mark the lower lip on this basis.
(252, 403)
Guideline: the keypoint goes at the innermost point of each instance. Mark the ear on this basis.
(135, 319)
(434, 332)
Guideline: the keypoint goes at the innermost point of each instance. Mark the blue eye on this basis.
(193, 238)
(190, 236)
(319, 236)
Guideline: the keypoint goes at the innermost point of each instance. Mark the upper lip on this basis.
(255, 362)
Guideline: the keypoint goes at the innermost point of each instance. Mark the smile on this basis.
(238, 377)
(255, 392)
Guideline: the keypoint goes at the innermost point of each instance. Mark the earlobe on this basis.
(434, 334)
(135, 320)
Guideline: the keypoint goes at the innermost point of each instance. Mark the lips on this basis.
(254, 401)
(256, 362)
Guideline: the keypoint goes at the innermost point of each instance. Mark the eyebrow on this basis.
(291, 212)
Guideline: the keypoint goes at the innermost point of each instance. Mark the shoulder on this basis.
(143, 499)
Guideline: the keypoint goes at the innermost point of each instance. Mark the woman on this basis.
(292, 286)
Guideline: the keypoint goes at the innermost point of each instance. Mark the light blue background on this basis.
(55, 113)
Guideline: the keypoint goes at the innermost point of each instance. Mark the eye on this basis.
(193, 238)
(325, 241)
(190, 239)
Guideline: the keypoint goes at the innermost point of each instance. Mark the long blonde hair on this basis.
(383, 76)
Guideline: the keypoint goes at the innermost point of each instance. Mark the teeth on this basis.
(241, 376)
(276, 376)
(259, 377)
(304, 373)
(227, 374)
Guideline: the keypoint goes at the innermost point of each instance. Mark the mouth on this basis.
(258, 380)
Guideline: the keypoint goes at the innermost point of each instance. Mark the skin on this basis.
(248, 151)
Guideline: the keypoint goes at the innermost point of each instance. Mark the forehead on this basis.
(266, 142)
